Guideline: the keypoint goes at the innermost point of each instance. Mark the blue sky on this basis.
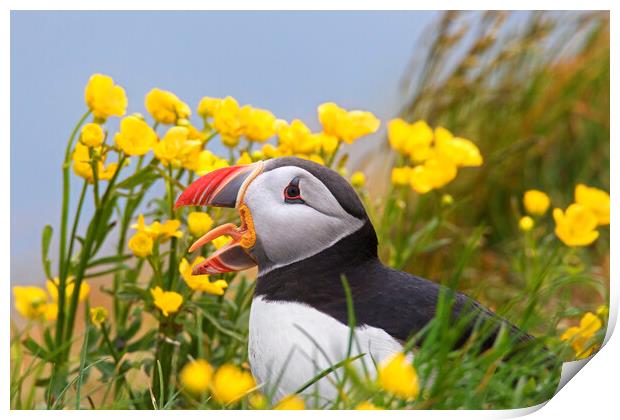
(288, 62)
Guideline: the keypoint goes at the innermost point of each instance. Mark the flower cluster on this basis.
(577, 225)
(433, 156)
(35, 303)
(227, 385)
(581, 336)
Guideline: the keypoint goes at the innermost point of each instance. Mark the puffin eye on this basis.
(292, 192)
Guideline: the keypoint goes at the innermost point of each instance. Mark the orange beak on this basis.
(225, 187)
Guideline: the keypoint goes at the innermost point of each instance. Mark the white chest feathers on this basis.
(291, 343)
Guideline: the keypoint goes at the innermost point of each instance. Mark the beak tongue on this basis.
(224, 187)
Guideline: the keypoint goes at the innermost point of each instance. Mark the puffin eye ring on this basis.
(292, 192)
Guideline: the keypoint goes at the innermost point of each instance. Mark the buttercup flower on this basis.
(201, 283)
(536, 202)
(296, 138)
(346, 125)
(30, 301)
(413, 140)
(135, 137)
(576, 227)
(104, 98)
(526, 223)
(52, 288)
(398, 377)
(92, 135)
(165, 107)
(579, 336)
(244, 159)
(98, 315)
(367, 406)
(221, 241)
(208, 162)
(596, 200)
(168, 229)
(196, 376)
(460, 151)
(167, 302)
(433, 174)
(329, 144)
(291, 402)
(82, 165)
(231, 383)
(259, 124)
(358, 179)
(227, 120)
(401, 176)
(208, 106)
(177, 149)
(141, 244)
(199, 223)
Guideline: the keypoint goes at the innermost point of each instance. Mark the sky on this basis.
(288, 62)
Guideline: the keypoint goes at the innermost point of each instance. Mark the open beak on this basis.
(225, 187)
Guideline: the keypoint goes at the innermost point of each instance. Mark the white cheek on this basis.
(293, 232)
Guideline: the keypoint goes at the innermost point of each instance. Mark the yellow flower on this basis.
(199, 223)
(401, 176)
(259, 124)
(579, 336)
(151, 230)
(165, 107)
(51, 311)
(208, 162)
(200, 283)
(366, 405)
(231, 383)
(30, 301)
(52, 289)
(329, 144)
(269, 151)
(141, 244)
(536, 202)
(603, 312)
(433, 174)
(397, 376)
(526, 223)
(208, 106)
(244, 159)
(176, 149)
(257, 401)
(98, 315)
(447, 200)
(92, 135)
(291, 402)
(168, 229)
(227, 120)
(358, 179)
(296, 138)
(196, 376)
(82, 165)
(346, 125)
(104, 98)
(596, 200)
(413, 140)
(460, 151)
(167, 302)
(576, 227)
(221, 241)
(135, 137)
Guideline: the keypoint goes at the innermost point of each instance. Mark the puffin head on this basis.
(290, 210)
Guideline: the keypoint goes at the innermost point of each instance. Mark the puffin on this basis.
(305, 228)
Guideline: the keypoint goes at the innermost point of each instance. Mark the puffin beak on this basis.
(225, 187)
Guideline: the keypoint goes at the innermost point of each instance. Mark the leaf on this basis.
(46, 238)
(143, 343)
(108, 260)
(36, 349)
(144, 176)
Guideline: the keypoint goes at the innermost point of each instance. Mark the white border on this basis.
(592, 393)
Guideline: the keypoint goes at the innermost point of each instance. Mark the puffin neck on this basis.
(345, 257)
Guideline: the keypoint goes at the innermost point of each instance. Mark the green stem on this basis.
(77, 219)
(85, 253)
(62, 258)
